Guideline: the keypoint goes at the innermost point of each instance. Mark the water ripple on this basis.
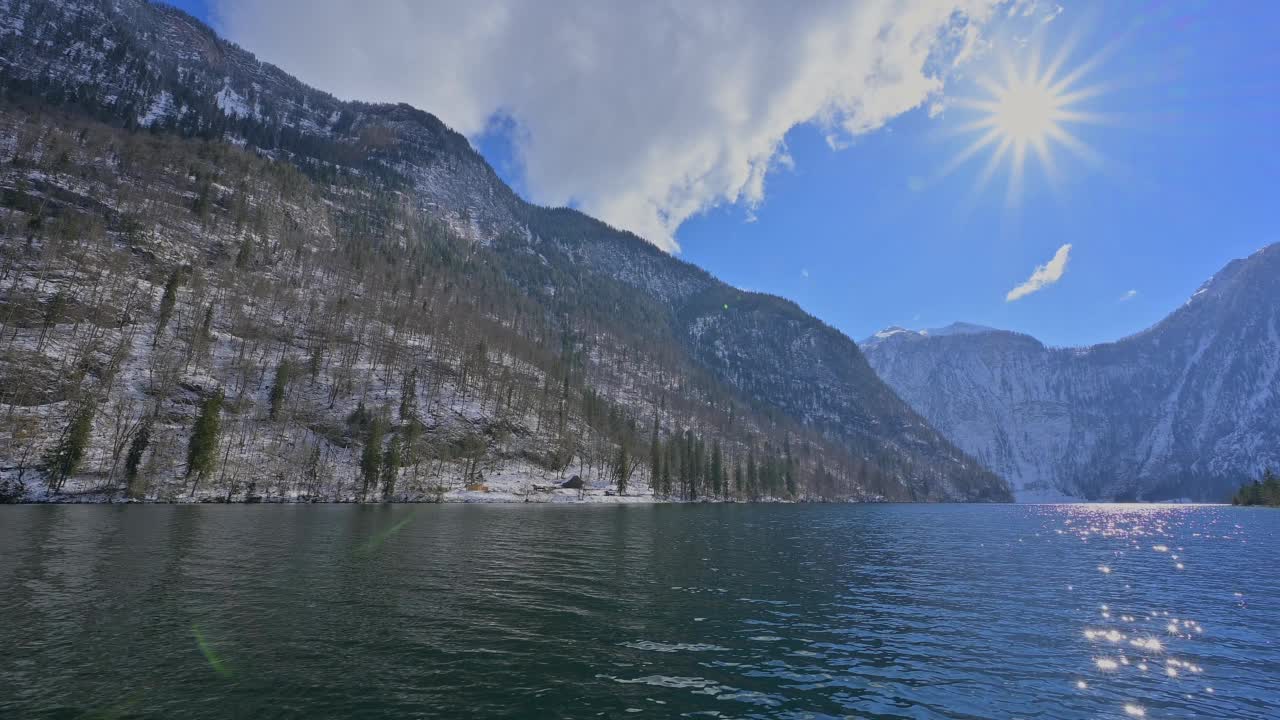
(786, 612)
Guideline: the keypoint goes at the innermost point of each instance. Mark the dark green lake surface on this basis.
(713, 611)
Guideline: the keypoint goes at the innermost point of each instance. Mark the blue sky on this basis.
(1190, 146)
(1182, 176)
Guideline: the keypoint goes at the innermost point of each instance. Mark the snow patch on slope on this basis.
(161, 107)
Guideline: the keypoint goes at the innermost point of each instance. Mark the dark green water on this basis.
(733, 611)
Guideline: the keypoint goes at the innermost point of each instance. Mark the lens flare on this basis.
(215, 662)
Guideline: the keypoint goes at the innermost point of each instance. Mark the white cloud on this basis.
(1044, 275)
(804, 272)
(643, 114)
(1129, 296)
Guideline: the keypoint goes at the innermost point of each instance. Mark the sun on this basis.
(1028, 111)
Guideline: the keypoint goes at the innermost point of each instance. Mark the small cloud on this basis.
(804, 273)
(936, 108)
(1129, 296)
(1044, 275)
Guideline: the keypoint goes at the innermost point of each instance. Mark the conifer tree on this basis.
(371, 458)
(316, 360)
(391, 463)
(201, 336)
(53, 312)
(698, 468)
(278, 389)
(203, 446)
(1265, 490)
(167, 302)
(708, 479)
(675, 447)
(360, 418)
(666, 476)
(133, 459)
(65, 457)
(244, 255)
(655, 457)
(409, 396)
(1270, 491)
(411, 434)
(717, 470)
(622, 471)
(686, 465)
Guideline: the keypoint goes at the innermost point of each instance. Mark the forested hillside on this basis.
(219, 283)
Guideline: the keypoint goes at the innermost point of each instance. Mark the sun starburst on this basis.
(1028, 111)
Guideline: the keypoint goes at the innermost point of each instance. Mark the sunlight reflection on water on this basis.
(1127, 525)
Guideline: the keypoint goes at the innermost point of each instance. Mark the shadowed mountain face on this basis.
(145, 67)
(1188, 408)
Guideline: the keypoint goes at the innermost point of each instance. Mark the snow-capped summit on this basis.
(887, 333)
(900, 333)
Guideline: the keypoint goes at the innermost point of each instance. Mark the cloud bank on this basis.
(642, 114)
(1044, 275)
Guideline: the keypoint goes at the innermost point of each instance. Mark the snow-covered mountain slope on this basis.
(1187, 408)
(603, 301)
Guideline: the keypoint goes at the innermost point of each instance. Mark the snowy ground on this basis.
(508, 487)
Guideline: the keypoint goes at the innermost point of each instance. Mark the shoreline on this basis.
(40, 495)
(508, 488)
(452, 498)
(567, 498)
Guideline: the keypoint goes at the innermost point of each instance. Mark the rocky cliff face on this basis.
(386, 169)
(1187, 408)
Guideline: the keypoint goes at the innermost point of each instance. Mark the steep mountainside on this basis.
(265, 224)
(1187, 408)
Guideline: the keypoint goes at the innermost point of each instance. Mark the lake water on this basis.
(894, 611)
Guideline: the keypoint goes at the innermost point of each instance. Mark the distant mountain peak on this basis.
(1185, 408)
(890, 332)
(1265, 259)
(955, 328)
(959, 328)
